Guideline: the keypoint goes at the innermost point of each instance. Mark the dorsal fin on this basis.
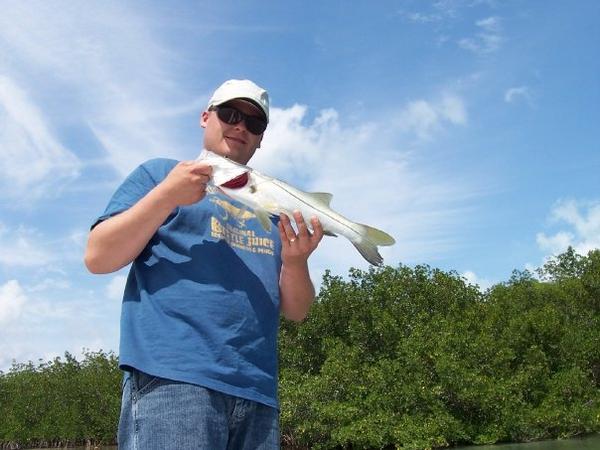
(321, 197)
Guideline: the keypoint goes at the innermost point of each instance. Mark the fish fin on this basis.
(375, 236)
(369, 252)
(321, 197)
(264, 218)
(367, 246)
(329, 233)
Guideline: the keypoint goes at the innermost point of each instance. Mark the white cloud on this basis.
(372, 176)
(555, 244)
(79, 238)
(443, 15)
(513, 94)
(12, 301)
(487, 40)
(582, 220)
(62, 319)
(87, 45)
(453, 109)
(135, 130)
(439, 11)
(490, 25)
(116, 286)
(117, 79)
(422, 18)
(291, 147)
(419, 117)
(424, 118)
(50, 283)
(473, 279)
(32, 160)
(23, 247)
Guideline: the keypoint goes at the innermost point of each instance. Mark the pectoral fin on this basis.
(264, 218)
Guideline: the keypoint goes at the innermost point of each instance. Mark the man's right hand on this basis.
(186, 183)
(117, 241)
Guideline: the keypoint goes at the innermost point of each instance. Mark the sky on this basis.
(467, 129)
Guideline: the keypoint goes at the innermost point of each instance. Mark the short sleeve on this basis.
(135, 187)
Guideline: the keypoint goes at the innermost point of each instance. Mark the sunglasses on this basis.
(255, 125)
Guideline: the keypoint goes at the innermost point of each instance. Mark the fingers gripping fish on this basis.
(270, 196)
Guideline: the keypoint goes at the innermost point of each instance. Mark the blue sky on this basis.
(467, 129)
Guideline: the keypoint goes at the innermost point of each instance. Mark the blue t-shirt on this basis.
(201, 304)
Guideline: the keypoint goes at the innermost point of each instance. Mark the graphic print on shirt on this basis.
(240, 215)
(229, 224)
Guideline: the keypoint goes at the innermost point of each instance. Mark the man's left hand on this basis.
(297, 247)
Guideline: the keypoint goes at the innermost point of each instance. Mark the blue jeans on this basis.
(164, 414)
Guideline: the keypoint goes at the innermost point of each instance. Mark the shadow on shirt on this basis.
(206, 267)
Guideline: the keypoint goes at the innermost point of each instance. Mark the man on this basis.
(201, 306)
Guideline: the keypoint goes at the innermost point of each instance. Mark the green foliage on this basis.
(404, 358)
(415, 358)
(61, 401)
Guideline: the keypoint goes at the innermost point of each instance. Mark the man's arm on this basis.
(295, 286)
(117, 241)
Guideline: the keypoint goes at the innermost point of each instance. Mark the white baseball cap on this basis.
(242, 89)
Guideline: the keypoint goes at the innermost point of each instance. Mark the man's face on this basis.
(232, 141)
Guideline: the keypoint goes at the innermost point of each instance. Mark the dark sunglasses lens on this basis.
(255, 125)
(229, 115)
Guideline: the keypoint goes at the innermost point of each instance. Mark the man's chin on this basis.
(223, 151)
(235, 154)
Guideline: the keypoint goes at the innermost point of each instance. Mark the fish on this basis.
(268, 196)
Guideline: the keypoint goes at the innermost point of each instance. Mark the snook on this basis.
(270, 196)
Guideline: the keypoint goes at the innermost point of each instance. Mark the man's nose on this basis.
(241, 125)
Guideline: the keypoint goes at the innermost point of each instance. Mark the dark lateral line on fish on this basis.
(319, 210)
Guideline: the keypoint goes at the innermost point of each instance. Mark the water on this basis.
(587, 443)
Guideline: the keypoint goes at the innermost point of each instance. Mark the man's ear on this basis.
(203, 119)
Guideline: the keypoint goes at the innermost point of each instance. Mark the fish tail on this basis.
(369, 252)
(371, 238)
(375, 236)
